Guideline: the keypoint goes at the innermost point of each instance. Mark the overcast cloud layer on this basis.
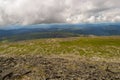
(58, 11)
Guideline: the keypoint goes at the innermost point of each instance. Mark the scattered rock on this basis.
(6, 75)
(43, 68)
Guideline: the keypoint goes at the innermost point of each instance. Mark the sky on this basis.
(26, 12)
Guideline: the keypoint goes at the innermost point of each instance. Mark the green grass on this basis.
(84, 46)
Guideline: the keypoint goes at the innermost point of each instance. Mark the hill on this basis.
(59, 30)
(75, 58)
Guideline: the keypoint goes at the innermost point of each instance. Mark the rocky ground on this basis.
(56, 68)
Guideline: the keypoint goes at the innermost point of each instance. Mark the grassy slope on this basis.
(85, 46)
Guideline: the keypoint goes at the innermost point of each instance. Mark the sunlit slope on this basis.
(84, 46)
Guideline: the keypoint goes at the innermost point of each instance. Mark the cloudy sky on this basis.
(26, 12)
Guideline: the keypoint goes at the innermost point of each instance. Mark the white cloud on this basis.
(58, 11)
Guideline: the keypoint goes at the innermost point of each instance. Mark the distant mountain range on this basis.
(59, 30)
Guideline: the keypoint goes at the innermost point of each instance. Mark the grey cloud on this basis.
(58, 11)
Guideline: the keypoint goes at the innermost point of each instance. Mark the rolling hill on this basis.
(59, 30)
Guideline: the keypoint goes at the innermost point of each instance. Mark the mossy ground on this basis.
(75, 58)
(83, 46)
